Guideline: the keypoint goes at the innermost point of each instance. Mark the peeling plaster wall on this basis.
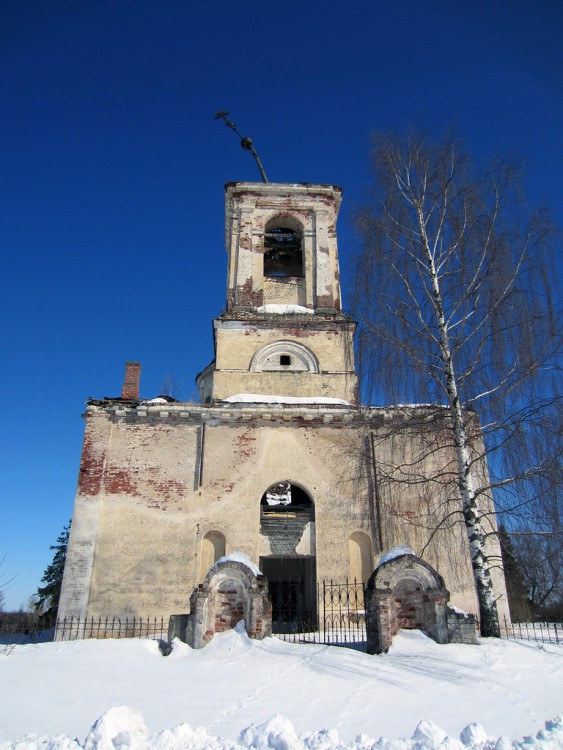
(141, 512)
(425, 514)
(237, 341)
(314, 209)
(155, 479)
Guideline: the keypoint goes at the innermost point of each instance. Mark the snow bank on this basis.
(331, 698)
(120, 727)
(262, 398)
(123, 728)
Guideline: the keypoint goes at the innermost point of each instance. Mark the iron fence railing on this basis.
(76, 628)
(540, 632)
(71, 628)
(332, 614)
(328, 613)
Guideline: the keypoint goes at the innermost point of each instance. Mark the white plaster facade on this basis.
(165, 488)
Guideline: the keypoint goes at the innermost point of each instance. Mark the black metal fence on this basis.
(71, 628)
(540, 632)
(75, 628)
(328, 613)
(332, 614)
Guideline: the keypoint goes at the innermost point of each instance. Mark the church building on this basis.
(278, 460)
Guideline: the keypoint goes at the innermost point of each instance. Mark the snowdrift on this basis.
(237, 694)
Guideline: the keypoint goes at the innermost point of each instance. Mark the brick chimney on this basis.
(130, 390)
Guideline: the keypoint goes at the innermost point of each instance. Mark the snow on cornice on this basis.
(392, 554)
(284, 309)
(260, 398)
(239, 557)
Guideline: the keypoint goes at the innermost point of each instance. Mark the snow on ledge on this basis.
(262, 398)
(284, 309)
(457, 610)
(392, 554)
(239, 557)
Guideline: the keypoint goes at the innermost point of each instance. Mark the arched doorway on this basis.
(287, 528)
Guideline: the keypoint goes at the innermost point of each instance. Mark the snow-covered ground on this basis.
(278, 695)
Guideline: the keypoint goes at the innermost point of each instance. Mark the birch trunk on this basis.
(489, 620)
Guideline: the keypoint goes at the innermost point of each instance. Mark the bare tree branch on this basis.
(455, 292)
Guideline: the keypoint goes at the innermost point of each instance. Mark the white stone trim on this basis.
(302, 359)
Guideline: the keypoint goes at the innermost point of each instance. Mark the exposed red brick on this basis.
(325, 300)
(243, 445)
(130, 390)
(245, 295)
(120, 482)
(91, 468)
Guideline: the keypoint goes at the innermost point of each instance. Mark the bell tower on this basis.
(282, 333)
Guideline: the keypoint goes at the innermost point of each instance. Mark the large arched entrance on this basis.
(287, 528)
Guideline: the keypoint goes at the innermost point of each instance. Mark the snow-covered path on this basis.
(510, 688)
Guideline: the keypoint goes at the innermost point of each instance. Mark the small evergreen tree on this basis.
(47, 597)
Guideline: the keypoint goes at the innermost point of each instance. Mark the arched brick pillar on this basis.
(405, 592)
(232, 591)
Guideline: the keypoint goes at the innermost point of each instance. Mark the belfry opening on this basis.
(283, 255)
(287, 528)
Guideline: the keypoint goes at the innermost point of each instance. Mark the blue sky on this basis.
(111, 205)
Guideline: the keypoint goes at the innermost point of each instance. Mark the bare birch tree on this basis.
(455, 306)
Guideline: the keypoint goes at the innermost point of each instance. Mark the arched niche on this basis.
(213, 547)
(360, 557)
(284, 356)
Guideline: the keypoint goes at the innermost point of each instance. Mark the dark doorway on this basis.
(287, 519)
(292, 592)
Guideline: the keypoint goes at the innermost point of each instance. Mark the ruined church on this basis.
(278, 461)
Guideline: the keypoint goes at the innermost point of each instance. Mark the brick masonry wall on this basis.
(462, 628)
(228, 606)
(130, 390)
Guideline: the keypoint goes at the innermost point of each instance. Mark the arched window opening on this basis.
(213, 547)
(286, 500)
(361, 558)
(284, 356)
(283, 252)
